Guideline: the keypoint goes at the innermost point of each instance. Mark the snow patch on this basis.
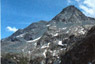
(76, 29)
(48, 25)
(50, 51)
(56, 34)
(21, 35)
(45, 46)
(54, 53)
(82, 31)
(44, 53)
(64, 28)
(14, 57)
(34, 39)
(63, 49)
(29, 52)
(67, 32)
(60, 43)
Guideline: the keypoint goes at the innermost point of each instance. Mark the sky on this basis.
(18, 14)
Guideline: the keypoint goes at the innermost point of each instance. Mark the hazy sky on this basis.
(18, 14)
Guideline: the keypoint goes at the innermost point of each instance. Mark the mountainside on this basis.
(62, 40)
(83, 52)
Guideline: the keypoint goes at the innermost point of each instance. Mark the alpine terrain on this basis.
(68, 38)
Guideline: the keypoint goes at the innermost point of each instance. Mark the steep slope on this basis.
(83, 52)
(44, 42)
(33, 28)
(70, 13)
(18, 41)
(69, 21)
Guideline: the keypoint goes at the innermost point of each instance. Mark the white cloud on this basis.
(69, 1)
(90, 3)
(87, 10)
(88, 7)
(12, 29)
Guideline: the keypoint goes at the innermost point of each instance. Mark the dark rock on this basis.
(6, 61)
(83, 52)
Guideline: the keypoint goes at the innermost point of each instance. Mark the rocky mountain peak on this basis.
(70, 14)
(70, 9)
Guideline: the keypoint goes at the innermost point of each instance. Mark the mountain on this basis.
(52, 42)
(69, 14)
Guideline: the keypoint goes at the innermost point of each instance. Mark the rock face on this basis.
(66, 39)
(83, 52)
(70, 14)
(6, 61)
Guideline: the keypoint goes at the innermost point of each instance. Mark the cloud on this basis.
(12, 29)
(69, 1)
(88, 7)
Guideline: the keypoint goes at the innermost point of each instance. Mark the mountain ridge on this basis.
(71, 6)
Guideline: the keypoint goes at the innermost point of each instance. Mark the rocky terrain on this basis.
(69, 38)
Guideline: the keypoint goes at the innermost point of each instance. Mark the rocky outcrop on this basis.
(83, 52)
(7, 61)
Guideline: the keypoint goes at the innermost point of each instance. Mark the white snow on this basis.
(45, 46)
(21, 35)
(34, 39)
(63, 49)
(82, 31)
(55, 34)
(44, 53)
(48, 25)
(67, 32)
(14, 57)
(29, 52)
(76, 29)
(54, 53)
(48, 43)
(64, 28)
(60, 43)
(65, 38)
(50, 51)
(35, 44)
